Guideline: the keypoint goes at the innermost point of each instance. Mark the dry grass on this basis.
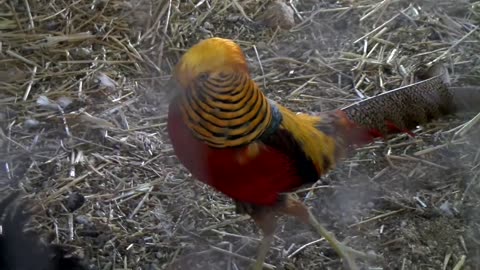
(83, 89)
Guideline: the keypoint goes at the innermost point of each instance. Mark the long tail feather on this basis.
(404, 108)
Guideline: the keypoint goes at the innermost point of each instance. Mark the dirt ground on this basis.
(413, 200)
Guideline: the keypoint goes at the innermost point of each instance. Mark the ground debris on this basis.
(102, 73)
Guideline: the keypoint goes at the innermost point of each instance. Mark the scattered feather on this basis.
(106, 81)
(31, 123)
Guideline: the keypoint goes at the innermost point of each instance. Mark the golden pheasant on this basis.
(231, 137)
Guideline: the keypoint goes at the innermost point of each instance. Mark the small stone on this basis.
(64, 102)
(208, 26)
(75, 201)
(84, 220)
(446, 209)
(31, 123)
(278, 14)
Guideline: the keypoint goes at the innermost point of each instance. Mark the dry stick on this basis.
(242, 11)
(29, 87)
(453, 46)
(165, 29)
(304, 246)
(374, 9)
(377, 217)
(19, 57)
(380, 26)
(222, 233)
(72, 183)
(467, 126)
(261, 66)
(383, 8)
(332, 10)
(238, 256)
(446, 260)
(225, 223)
(30, 18)
(140, 204)
(299, 89)
(429, 150)
(462, 242)
(404, 263)
(71, 235)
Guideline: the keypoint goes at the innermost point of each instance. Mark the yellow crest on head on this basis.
(210, 56)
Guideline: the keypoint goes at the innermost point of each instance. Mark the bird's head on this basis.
(210, 57)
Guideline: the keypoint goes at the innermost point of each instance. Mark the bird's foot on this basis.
(262, 252)
(349, 254)
(297, 209)
(258, 265)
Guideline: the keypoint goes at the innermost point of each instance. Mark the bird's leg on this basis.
(266, 221)
(297, 209)
(262, 251)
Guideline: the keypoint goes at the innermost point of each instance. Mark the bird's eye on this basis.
(203, 76)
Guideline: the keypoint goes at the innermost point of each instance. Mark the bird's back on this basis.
(253, 173)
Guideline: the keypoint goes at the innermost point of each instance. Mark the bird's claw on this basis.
(349, 255)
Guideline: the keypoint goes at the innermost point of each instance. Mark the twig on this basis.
(377, 217)
(238, 256)
(304, 246)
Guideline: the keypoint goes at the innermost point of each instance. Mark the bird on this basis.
(230, 136)
(23, 250)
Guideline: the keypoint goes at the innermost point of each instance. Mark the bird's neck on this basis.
(228, 110)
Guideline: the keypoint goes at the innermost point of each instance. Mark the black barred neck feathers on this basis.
(226, 109)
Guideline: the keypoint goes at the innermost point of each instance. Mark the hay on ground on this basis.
(83, 104)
